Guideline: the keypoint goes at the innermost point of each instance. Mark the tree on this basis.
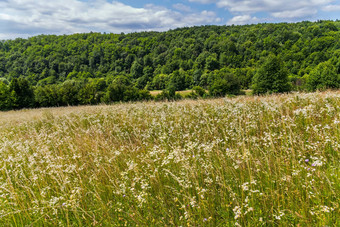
(136, 70)
(159, 81)
(115, 92)
(69, 92)
(47, 96)
(323, 76)
(228, 84)
(147, 77)
(197, 77)
(272, 77)
(121, 90)
(177, 80)
(200, 54)
(212, 63)
(21, 93)
(4, 97)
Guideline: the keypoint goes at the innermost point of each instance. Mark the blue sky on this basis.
(25, 18)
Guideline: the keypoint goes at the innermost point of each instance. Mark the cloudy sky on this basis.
(24, 18)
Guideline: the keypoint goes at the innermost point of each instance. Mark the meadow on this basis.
(244, 161)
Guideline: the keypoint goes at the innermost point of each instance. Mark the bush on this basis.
(199, 91)
(168, 94)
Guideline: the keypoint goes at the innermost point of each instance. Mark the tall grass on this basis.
(247, 161)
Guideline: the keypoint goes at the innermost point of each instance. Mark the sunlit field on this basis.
(245, 161)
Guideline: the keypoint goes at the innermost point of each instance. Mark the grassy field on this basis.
(246, 161)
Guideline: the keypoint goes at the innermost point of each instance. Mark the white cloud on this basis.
(204, 1)
(289, 9)
(271, 6)
(182, 7)
(331, 8)
(299, 13)
(243, 19)
(33, 17)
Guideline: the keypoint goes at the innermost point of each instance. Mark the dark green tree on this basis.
(212, 63)
(5, 102)
(69, 92)
(228, 84)
(21, 93)
(159, 81)
(177, 80)
(323, 76)
(136, 70)
(272, 77)
(47, 96)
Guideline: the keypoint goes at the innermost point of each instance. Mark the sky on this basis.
(26, 18)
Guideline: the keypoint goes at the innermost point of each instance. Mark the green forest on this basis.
(212, 61)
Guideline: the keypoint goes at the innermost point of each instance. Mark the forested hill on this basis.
(49, 70)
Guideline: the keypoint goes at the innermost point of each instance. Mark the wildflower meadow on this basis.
(244, 161)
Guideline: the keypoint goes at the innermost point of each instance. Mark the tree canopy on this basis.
(271, 77)
(82, 68)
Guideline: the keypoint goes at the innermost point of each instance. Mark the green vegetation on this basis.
(83, 69)
(272, 77)
(248, 161)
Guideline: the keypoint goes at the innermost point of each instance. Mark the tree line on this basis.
(92, 68)
(20, 94)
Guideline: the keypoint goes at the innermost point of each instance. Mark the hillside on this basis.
(248, 161)
(95, 68)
